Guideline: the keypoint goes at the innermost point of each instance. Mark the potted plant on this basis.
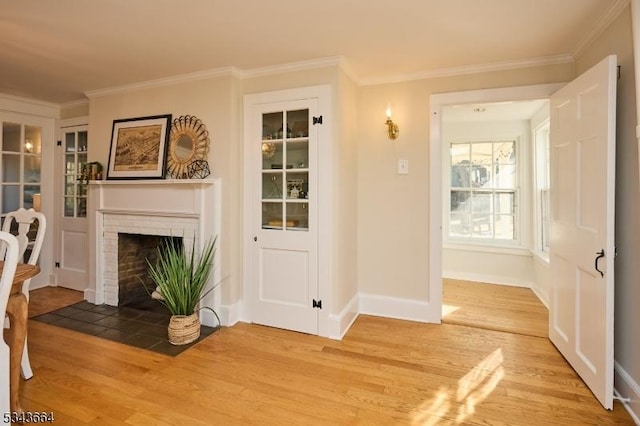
(181, 279)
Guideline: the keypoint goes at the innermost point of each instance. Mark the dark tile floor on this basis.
(139, 328)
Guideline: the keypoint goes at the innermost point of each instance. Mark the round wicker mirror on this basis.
(188, 142)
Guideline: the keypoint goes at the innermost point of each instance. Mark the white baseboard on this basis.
(230, 314)
(489, 279)
(90, 296)
(393, 307)
(626, 387)
(338, 325)
(542, 297)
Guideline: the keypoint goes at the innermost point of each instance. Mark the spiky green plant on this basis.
(181, 277)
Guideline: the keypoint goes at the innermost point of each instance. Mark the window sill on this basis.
(541, 256)
(487, 248)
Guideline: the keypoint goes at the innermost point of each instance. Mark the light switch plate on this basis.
(403, 167)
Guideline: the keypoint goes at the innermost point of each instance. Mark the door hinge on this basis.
(59, 143)
(57, 264)
(619, 72)
(317, 304)
(317, 120)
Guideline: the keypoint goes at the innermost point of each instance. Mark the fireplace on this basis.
(185, 209)
(135, 285)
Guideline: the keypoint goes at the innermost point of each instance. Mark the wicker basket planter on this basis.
(184, 329)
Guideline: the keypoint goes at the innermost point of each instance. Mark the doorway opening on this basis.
(451, 246)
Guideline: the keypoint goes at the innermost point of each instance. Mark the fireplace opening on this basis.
(134, 281)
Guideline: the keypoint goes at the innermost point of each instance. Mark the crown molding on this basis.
(334, 61)
(162, 82)
(294, 66)
(29, 106)
(472, 69)
(607, 19)
(76, 103)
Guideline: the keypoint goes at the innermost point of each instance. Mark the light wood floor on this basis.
(494, 307)
(383, 372)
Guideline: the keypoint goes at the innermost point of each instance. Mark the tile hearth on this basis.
(134, 327)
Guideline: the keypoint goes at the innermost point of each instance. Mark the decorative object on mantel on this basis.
(199, 169)
(139, 147)
(94, 169)
(181, 282)
(189, 142)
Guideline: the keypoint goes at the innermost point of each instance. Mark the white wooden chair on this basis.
(10, 250)
(19, 223)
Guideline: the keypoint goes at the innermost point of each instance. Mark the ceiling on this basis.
(57, 51)
(492, 112)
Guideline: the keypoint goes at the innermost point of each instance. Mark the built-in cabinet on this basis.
(286, 135)
(73, 245)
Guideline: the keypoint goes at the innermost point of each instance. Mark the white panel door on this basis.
(73, 250)
(582, 225)
(283, 150)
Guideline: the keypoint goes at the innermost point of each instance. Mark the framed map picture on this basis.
(139, 147)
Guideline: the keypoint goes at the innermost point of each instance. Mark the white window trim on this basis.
(521, 220)
(537, 248)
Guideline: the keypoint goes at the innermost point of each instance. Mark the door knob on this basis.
(600, 254)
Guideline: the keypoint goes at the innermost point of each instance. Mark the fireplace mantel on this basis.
(186, 208)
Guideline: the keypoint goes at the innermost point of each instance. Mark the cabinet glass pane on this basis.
(297, 185)
(82, 189)
(69, 185)
(11, 168)
(29, 190)
(32, 140)
(272, 156)
(297, 216)
(32, 168)
(298, 123)
(69, 204)
(70, 142)
(11, 137)
(10, 198)
(70, 163)
(271, 185)
(82, 207)
(272, 125)
(82, 141)
(271, 215)
(298, 154)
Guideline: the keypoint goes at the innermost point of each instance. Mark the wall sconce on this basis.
(392, 128)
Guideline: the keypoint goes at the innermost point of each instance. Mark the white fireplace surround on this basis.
(178, 208)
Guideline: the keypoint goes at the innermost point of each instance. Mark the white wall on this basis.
(393, 210)
(212, 100)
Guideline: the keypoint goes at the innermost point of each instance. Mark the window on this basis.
(483, 193)
(21, 157)
(542, 179)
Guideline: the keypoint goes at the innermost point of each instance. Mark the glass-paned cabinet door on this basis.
(20, 165)
(75, 173)
(285, 170)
